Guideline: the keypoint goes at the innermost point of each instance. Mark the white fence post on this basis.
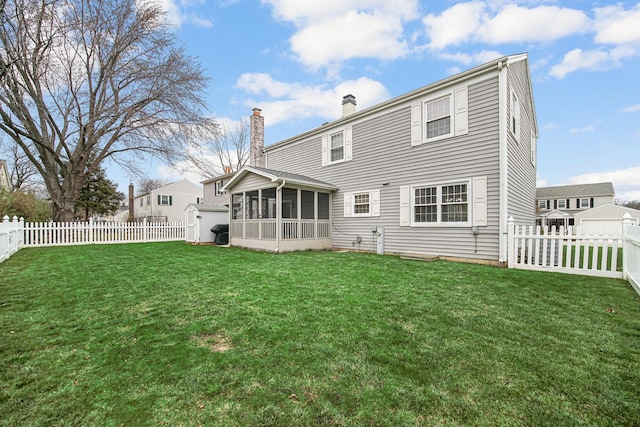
(631, 252)
(511, 251)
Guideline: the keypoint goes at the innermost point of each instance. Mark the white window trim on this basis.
(542, 204)
(347, 140)
(562, 201)
(374, 204)
(588, 203)
(439, 222)
(515, 114)
(451, 118)
(533, 149)
(218, 186)
(458, 113)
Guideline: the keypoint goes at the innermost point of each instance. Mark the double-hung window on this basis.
(361, 204)
(562, 204)
(425, 204)
(218, 187)
(164, 200)
(584, 203)
(454, 203)
(438, 117)
(337, 146)
(542, 204)
(441, 204)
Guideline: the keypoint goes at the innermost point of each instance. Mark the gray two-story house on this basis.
(437, 171)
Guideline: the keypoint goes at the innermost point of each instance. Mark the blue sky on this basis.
(295, 59)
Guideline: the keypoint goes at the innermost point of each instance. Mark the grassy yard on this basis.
(172, 334)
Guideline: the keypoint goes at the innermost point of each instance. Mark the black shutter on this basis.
(159, 200)
(170, 200)
(548, 204)
(591, 202)
(567, 203)
(555, 204)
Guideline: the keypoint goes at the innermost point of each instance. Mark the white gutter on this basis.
(504, 155)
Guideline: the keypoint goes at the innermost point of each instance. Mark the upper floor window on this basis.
(148, 200)
(218, 187)
(542, 204)
(337, 146)
(164, 200)
(515, 116)
(199, 200)
(443, 115)
(584, 202)
(438, 117)
(562, 204)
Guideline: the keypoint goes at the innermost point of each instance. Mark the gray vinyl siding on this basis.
(521, 184)
(384, 159)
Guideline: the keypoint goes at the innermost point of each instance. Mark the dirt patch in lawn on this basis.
(217, 343)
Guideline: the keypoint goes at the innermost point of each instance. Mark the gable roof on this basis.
(580, 190)
(217, 178)
(278, 176)
(195, 186)
(608, 211)
(497, 65)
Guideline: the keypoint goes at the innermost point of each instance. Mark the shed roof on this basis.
(579, 190)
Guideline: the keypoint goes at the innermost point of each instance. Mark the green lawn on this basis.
(172, 334)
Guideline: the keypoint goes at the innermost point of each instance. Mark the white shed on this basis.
(201, 218)
(605, 219)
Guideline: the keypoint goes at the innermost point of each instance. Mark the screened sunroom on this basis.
(278, 211)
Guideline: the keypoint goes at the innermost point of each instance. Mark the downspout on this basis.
(504, 155)
(279, 215)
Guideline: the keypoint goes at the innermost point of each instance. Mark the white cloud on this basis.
(614, 25)
(539, 24)
(631, 109)
(176, 15)
(353, 35)
(331, 31)
(625, 181)
(455, 25)
(286, 101)
(579, 59)
(585, 129)
(469, 59)
(476, 22)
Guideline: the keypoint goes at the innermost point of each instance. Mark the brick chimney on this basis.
(348, 105)
(131, 207)
(256, 131)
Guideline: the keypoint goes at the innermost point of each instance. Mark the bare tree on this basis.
(22, 173)
(88, 80)
(227, 151)
(147, 185)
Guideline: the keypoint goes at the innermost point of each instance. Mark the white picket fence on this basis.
(567, 251)
(11, 237)
(16, 234)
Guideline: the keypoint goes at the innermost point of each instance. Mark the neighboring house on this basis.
(5, 181)
(559, 205)
(437, 171)
(212, 190)
(167, 203)
(605, 219)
